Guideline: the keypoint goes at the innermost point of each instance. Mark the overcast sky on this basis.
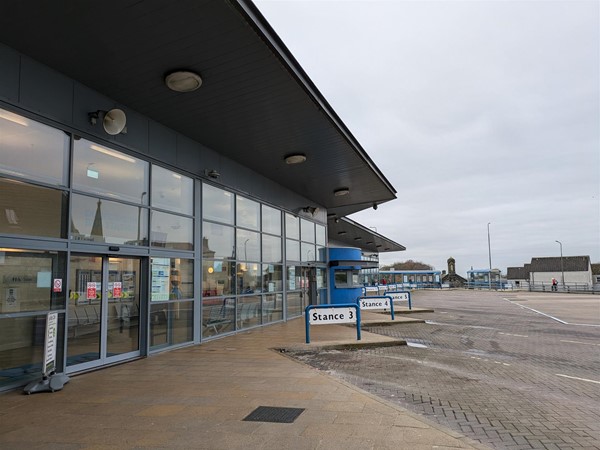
(476, 111)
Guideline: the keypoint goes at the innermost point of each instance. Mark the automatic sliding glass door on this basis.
(104, 309)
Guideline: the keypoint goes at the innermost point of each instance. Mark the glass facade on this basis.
(92, 200)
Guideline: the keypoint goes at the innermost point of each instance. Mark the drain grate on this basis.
(274, 414)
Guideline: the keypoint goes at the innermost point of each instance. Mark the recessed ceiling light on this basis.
(341, 191)
(369, 242)
(183, 81)
(297, 158)
(341, 232)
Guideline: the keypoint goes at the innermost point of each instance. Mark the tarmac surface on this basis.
(511, 370)
(198, 397)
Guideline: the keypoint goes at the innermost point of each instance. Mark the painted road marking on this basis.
(485, 359)
(517, 335)
(577, 378)
(578, 342)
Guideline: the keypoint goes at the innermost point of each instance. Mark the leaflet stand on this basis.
(51, 381)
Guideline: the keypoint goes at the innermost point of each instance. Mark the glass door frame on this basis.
(104, 359)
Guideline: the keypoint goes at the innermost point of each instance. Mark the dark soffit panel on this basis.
(255, 106)
(353, 234)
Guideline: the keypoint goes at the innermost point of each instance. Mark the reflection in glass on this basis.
(272, 278)
(248, 245)
(123, 309)
(271, 249)
(248, 278)
(271, 220)
(292, 250)
(294, 304)
(172, 191)
(272, 308)
(320, 236)
(172, 231)
(171, 324)
(217, 241)
(22, 348)
(26, 281)
(308, 230)
(25, 143)
(247, 213)
(172, 279)
(97, 220)
(217, 204)
(248, 311)
(32, 210)
(308, 252)
(218, 316)
(85, 309)
(217, 278)
(103, 171)
(292, 226)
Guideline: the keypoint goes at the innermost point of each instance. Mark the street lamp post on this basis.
(562, 267)
(490, 256)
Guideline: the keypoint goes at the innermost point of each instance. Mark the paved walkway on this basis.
(197, 398)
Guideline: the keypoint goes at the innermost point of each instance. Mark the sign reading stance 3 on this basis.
(330, 315)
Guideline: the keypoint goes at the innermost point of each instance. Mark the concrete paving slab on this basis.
(197, 397)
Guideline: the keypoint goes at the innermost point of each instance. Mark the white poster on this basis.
(50, 343)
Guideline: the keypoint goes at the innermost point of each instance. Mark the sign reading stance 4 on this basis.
(327, 316)
(374, 303)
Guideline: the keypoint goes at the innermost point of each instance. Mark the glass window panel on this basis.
(171, 324)
(271, 220)
(217, 241)
(172, 231)
(292, 226)
(271, 247)
(98, 220)
(320, 235)
(294, 304)
(21, 352)
(272, 278)
(321, 254)
(32, 210)
(172, 279)
(308, 230)
(218, 316)
(248, 311)
(217, 204)
(172, 191)
(27, 280)
(217, 278)
(295, 278)
(248, 245)
(25, 143)
(103, 171)
(248, 213)
(272, 308)
(248, 278)
(292, 250)
(308, 252)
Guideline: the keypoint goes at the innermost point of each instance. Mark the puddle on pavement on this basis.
(415, 344)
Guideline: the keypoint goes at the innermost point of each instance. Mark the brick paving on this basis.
(495, 372)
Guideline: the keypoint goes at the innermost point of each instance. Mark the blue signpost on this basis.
(332, 314)
(400, 296)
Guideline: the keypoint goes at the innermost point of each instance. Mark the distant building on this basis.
(577, 272)
(452, 278)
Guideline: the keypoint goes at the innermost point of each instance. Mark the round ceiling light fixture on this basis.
(297, 158)
(341, 191)
(183, 81)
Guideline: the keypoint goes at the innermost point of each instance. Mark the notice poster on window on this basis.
(161, 270)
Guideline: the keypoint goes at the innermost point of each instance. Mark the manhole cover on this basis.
(274, 414)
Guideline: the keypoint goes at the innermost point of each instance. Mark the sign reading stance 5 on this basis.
(326, 316)
(374, 303)
(399, 295)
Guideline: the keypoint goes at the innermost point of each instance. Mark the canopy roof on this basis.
(256, 105)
